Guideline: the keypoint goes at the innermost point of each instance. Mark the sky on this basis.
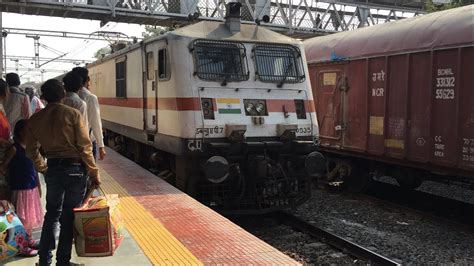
(20, 45)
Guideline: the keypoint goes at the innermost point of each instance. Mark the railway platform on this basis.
(167, 227)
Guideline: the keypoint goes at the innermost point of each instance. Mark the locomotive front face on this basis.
(252, 90)
(257, 124)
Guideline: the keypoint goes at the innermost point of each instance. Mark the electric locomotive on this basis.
(225, 108)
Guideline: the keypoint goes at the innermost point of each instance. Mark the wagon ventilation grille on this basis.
(220, 61)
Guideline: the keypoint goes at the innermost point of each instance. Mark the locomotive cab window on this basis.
(220, 61)
(278, 63)
(163, 65)
(120, 77)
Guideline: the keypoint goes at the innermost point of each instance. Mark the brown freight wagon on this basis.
(398, 97)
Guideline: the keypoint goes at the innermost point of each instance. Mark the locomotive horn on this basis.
(232, 16)
(233, 9)
(193, 16)
(265, 19)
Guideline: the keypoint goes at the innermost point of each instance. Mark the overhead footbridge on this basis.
(296, 18)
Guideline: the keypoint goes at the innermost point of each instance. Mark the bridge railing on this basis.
(294, 15)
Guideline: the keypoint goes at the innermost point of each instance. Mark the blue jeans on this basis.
(66, 186)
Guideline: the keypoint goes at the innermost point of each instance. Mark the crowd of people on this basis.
(57, 133)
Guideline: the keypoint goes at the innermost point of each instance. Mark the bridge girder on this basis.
(297, 18)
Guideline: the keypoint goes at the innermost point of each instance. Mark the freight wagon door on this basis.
(329, 84)
(355, 107)
(396, 105)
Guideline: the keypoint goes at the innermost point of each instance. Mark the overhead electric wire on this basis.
(83, 45)
(51, 49)
(77, 49)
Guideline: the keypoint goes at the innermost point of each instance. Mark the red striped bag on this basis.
(99, 226)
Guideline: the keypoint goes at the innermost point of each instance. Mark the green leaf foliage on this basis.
(433, 7)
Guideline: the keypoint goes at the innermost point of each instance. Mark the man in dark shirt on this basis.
(61, 132)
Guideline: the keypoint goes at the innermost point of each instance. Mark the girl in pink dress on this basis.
(26, 188)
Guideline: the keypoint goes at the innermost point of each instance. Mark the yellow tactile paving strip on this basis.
(158, 244)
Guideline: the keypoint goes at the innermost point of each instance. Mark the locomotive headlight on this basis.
(255, 107)
(260, 108)
(249, 107)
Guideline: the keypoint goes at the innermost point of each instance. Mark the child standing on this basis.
(26, 188)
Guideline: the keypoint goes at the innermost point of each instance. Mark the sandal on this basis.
(34, 244)
(28, 252)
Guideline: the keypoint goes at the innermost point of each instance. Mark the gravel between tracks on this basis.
(300, 246)
(405, 237)
(444, 190)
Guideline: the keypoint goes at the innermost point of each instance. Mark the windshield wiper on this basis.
(285, 75)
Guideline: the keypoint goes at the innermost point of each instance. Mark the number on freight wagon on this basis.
(445, 82)
(445, 94)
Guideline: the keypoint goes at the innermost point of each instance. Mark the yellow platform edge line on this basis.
(159, 235)
(158, 244)
(167, 244)
(144, 234)
(161, 238)
(133, 214)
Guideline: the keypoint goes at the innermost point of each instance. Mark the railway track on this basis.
(333, 240)
(422, 203)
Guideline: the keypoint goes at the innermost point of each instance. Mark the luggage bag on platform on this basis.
(13, 237)
(99, 226)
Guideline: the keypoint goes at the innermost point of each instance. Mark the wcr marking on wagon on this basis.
(378, 76)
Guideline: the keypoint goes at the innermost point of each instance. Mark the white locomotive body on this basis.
(227, 106)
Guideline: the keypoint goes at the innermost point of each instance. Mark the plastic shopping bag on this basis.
(99, 226)
(13, 237)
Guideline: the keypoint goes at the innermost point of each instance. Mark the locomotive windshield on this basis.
(278, 63)
(219, 60)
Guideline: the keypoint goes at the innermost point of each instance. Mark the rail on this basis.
(334, 240)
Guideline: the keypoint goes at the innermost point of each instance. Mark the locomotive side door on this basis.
(150, 100)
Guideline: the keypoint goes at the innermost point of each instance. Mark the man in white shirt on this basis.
(17, 104)
(93, 113)
(72, 84)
